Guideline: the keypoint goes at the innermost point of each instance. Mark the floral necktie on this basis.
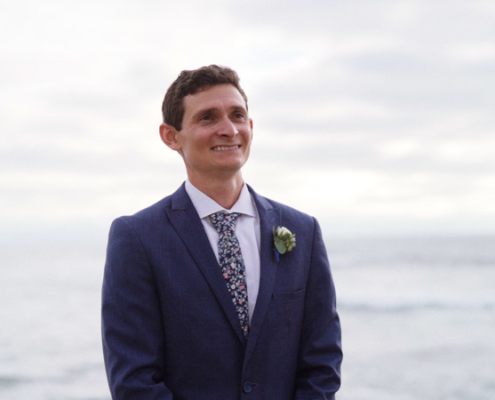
(232, 264)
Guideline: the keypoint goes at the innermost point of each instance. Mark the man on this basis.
(198, 301)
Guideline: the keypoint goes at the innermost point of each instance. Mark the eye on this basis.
(239, 115)
(205, 117)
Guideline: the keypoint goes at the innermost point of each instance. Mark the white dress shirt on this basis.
(247, 231)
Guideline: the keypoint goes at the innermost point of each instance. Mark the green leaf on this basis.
(280, 246)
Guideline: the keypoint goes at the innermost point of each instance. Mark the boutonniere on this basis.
(284, 241)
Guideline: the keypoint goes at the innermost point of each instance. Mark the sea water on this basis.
(418, 319)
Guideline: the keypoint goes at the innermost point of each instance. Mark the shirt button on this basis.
(248, 387)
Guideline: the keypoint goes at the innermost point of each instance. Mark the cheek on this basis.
(249, 139)
(196, 144)
(201, 141)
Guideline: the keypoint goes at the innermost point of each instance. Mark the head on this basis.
(207, 123)
(192, 82)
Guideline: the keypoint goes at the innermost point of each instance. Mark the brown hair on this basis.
(191, 82)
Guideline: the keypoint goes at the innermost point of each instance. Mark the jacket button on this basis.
(248, 387)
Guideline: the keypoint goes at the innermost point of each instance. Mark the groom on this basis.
(203, 297)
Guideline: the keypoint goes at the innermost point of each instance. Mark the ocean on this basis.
(418, 318)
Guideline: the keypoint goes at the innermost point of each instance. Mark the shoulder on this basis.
(149, 213)
(155, 214)
(268, 204)
(287, 215)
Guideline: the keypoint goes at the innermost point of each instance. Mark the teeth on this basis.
(221, 148)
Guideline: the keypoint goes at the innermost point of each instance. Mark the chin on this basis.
(232, 164)
(230, 168)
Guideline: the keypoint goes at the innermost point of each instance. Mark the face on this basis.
(216, 133)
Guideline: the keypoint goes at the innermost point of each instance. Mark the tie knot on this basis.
(223, 221)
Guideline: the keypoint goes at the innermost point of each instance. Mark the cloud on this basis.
(362, 110)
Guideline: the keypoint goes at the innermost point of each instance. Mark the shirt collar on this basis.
(206, 206)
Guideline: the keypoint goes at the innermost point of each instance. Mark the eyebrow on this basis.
(215, 109)
(205, 111)
(239, 108)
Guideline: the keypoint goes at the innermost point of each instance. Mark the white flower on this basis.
(282, 231)
(284, 240)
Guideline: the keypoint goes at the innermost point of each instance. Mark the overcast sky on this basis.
(374, 116)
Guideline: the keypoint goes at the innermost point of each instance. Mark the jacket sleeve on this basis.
(320, 350)
(131, 320)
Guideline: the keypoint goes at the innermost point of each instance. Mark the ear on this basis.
(169, 136)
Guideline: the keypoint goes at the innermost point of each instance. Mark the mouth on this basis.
(226, 148)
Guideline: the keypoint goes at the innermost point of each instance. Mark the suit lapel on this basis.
(188, 226)
(269, 218)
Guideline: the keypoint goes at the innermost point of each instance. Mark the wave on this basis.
(9, 381)
(410, 307)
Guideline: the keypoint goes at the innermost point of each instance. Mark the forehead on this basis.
(224, 96)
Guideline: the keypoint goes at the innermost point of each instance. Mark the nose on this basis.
(227, 128)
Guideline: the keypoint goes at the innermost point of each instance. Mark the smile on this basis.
(224, 148)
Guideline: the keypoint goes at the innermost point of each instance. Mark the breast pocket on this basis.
(288, 309)
(288, 296)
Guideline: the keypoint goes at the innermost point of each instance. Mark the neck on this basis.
(224, 191)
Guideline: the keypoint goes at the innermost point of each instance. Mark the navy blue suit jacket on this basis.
(170, 330)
